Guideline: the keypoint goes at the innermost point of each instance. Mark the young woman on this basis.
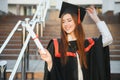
(73, 57)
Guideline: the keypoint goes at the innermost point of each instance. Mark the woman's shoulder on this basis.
(93, 40)
(56, 39)
(51, 42)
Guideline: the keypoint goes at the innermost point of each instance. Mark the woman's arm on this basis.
(106, 35)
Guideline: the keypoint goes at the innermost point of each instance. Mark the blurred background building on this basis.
(28, 7)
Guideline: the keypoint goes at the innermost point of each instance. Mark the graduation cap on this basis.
(71, 8)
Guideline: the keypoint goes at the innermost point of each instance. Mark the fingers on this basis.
(43, 57)
(92, 13)
(44, 54)
(91, 10)
(42, 51)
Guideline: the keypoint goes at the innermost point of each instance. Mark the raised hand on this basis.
(93, 14)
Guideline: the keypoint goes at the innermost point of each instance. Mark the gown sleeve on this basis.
(103, 58)
(99, 61)
(53, 74)
(106, 35)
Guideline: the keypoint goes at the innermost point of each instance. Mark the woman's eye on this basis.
(69, 20)
(63, 22)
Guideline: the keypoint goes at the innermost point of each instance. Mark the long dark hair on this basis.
(80, 35)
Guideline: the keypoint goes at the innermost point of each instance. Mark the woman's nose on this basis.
(66, 23)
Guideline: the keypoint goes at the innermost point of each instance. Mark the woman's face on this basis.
(68, 24)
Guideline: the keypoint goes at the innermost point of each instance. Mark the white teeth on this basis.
(67, 28)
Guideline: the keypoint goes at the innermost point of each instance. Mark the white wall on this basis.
(85, 2)
(57, 3)
(53, 2)
(4, 6)
(107, 5)
(24, 1)
(117, 7)
(12, 9)
(111, 5)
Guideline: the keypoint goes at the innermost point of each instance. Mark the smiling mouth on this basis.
(67, 28)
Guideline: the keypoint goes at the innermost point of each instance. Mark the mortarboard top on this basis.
(71, 8)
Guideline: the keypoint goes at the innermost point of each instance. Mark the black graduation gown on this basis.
(97, 59)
